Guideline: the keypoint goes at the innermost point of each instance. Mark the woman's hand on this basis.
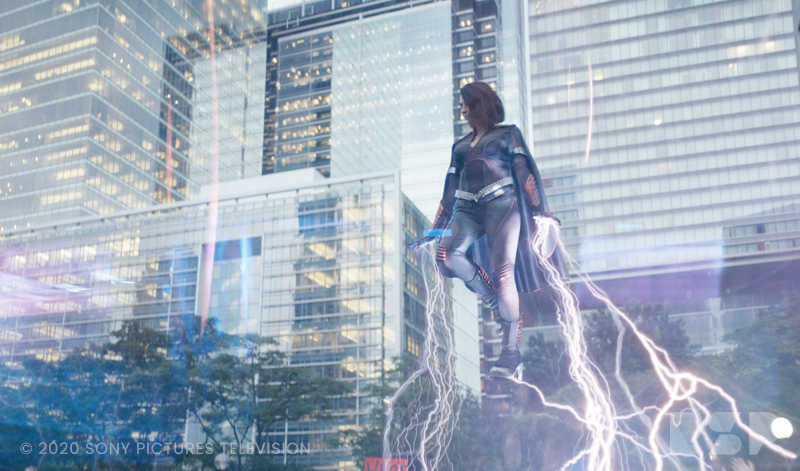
(418, 245)
(547, 215)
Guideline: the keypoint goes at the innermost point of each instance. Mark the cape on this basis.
(528, 273)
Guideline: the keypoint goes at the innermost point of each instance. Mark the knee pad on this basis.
(442, 258)
(503, 274)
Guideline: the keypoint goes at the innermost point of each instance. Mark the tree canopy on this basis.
(138, 391)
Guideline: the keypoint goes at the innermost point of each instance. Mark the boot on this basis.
(509, 363)
(481, 285)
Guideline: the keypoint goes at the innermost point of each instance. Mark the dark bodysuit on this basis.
(479, 198)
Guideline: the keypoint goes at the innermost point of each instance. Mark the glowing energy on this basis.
(426, 433)
(598, 414)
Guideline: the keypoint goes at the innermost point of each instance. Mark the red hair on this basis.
(484, 105)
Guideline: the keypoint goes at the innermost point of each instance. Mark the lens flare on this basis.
(591, 114)
(168, 180)
(211, 226)
(569, 83)
(781, 428)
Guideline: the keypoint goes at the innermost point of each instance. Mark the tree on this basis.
(466, 449)
(129, 391)
(368, 442)
(139, 389)
(58, 402)
(241, 393)
(762, 372)
(764, 366)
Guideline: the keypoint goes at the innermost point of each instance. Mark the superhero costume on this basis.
(494, 189)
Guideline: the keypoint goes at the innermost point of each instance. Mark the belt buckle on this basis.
(493, 194)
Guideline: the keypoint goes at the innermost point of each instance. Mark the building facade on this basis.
(320, 265)
(667, 133)
(369, 95)
(108, 105)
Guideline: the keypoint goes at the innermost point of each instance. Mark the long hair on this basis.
(484, 105)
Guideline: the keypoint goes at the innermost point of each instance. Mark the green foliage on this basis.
(141, 388)
(550, 436)
(602, 336)
(764, 367)
(762, 372)
(244, 394)
(547, 363)
(480, 437)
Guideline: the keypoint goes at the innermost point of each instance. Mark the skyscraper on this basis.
(386, 81)
(683, 186)
(110, 105)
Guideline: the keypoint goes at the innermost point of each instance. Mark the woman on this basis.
(492, 188)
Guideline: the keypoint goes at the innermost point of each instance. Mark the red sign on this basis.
(380, 464)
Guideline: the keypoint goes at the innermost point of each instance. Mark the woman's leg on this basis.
(502, 225)
(451, 255)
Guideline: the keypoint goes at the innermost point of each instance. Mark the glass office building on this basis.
(370, 95)
(685, 189)
(108, 105)
(394, 114)
(319, 265)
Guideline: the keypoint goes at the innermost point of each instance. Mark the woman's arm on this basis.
(525, 176)
(529, 187)
(445, 211)
(528, 175)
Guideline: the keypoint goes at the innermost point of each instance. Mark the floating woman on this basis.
(492, 188)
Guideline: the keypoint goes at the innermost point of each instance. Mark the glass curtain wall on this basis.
(682, 187)
(695, 125)
(108, 104)
(370, 95)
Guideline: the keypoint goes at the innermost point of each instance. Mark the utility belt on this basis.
(488, 193)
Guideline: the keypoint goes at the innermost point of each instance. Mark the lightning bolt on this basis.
(598, 416)
(599, 411)
(433, 414)
(213, 203)
(427, 427)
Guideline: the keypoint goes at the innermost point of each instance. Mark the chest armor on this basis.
(484, 164)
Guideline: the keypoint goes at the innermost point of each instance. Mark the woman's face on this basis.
(464, 110)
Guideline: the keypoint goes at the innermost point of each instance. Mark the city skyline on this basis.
(305, 144)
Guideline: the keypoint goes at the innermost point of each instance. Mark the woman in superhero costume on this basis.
(492, 188)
